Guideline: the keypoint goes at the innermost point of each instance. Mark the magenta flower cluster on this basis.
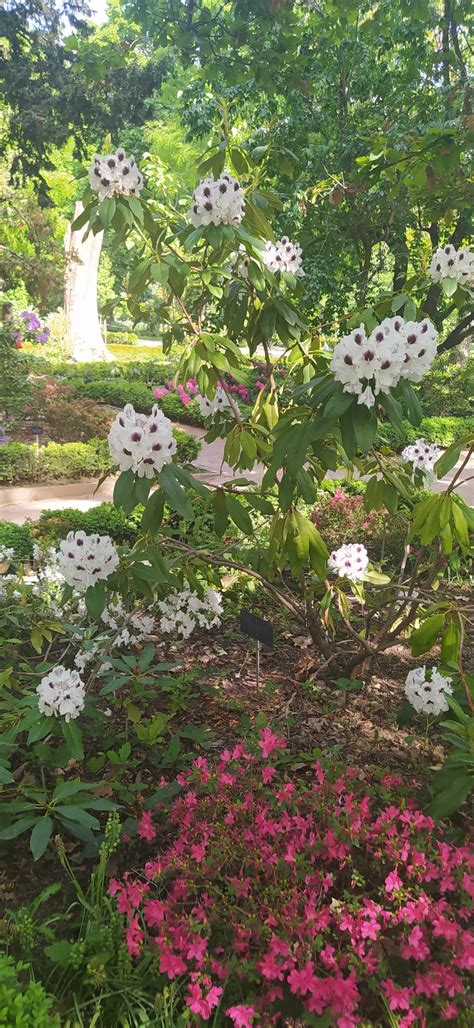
(37, 332)
(191, 388)
(322, 894)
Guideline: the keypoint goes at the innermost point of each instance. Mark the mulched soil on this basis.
(355, 722)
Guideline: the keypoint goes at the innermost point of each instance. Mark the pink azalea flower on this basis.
(160, 392)
(269, 742)
(171, 964)
(393, 882)
(241, 1016)
(145, 828)
(135, 937)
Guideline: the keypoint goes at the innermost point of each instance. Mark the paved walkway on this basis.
(17, 503)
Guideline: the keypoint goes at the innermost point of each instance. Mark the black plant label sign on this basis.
(256, 627)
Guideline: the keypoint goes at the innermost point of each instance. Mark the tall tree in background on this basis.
(362, 112)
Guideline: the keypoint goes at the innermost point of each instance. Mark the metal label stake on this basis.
(257, 629)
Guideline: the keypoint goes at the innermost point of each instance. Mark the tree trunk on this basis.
(84, 333)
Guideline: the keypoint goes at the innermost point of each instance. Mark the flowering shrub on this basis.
(61, 692)
(141, 444)
(63, 416)
(340, 517)
(324, 894)
(183, 611)
(396, 349)
(115, 175)
(448, 262)
(426, 690)
(283, 256)
(349, 561)
(86, 559)
(190, 389)
(422, 455)
(219, 202)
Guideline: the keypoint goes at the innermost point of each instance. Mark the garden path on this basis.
(17, 503)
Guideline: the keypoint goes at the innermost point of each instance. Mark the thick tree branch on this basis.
(461, 331)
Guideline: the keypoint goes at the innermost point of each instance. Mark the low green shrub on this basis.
(23, 1003)
(105, 519)
(119, 337)
(441, 430)
(20, 462)
(17, 538)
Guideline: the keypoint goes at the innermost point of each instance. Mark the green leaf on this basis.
(95, 600)
(136, 208)
(450, 642)
(83, 218)
(448, 460)
(285, 492)
(123, 487)
(449, 286)
(409, 310)
(239, 515)
(40, 836)
(460, 523)
(365, 427)
(107, 210)
(16, 829)
(77, 814)
(153, 513)
(450, 799)
(405, 714)
(5, 776)
(60, 952)
(393, 409)
(39, 730)
(424, 637)
(73, 738)
(65, 789)
(175, 494)
(239, 160)
(160, 272)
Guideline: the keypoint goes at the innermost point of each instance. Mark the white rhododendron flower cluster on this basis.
(217, 201)
(210, 407)
(283, 256)
(45, 582)
(131, 627)
(349, 561)
(368, 365)
(427, 694)
(183, 611)
(124, 628)
(7, 555)
(61, 692)
(86, 559)
(115, 174)
(447, 262)
(141, 443)
(422, 455)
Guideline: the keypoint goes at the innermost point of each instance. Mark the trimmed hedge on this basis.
(443, 431)
(20, 462)
(18, 538)
(105, 519)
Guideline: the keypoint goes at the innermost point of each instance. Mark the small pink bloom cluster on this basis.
(327, 894)
(185, 393)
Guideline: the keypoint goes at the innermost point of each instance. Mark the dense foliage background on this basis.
(361, 114)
